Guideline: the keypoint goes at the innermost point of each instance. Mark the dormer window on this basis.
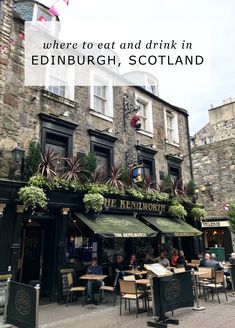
(41, 15)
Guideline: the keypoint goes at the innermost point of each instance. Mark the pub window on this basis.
(146, 155)
(57, 134)
(145, 113)
(102, 146)
(174, 172)
(102, 158)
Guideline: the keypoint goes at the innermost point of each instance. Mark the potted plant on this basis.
(94, 202)
(198, 213)
(32, 196)
(176, 209)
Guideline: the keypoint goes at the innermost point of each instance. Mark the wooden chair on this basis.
(128, 291)
(205, 279)
(217, 285)
(111, 289)
(73, 289)
(195, 262)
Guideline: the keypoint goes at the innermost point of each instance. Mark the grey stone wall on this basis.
(215, 163)
(20, 106)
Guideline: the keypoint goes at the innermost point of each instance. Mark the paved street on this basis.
(105, 316)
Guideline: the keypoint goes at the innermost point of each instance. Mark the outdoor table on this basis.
(195, 275)
(136, 272)
(93, 277)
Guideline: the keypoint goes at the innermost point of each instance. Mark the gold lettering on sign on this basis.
(135, 205)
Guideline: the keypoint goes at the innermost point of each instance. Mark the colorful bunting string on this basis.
(58, 7)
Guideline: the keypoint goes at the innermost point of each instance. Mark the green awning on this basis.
(173, 226)
(114, 225)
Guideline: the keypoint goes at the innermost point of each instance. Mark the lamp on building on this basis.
(206, 188)
(18, 154)
(130, 107)
(16, 168)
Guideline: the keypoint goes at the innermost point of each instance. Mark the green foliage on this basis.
(89, 163)
(231, 216)
(94, 202)
(33, 158)
(136, 192)
(32, 196)
(37, 180)
(191, 188)
(198, 213)
(167, 184)
(178, 211)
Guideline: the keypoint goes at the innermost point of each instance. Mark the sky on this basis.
(194, 93)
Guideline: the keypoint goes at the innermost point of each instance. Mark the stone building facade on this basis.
(213, 154)
(73, 122)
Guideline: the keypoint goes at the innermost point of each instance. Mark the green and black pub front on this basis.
(36, 245)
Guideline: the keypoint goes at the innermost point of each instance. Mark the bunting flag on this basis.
(5, 48)
(57, 8)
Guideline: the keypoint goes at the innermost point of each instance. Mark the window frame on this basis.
(139, 98)
(108, 113)
(175, 163)
(102, 141)
(57, 127)
(148, 155)
(174, 127)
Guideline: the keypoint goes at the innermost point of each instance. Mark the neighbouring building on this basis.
(213, 154)
(74, 122)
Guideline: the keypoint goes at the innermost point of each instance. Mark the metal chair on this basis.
(217, 285)
(111, 289)
(128, 291)
(73, 289)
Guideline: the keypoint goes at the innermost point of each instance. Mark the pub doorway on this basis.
(38, 254)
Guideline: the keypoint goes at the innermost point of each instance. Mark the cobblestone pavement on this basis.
(105, 316)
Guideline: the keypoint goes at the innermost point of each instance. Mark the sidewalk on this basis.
(106, 316)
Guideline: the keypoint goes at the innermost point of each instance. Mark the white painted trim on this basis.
(102, 116)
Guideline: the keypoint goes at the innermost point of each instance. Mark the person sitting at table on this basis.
(94, 268)
(119, 266)
(205, 258)
(147, 259)
(162, 259)
(181, 261)
(174, 257)
(213, 263)
(232, 258)
(133, 264)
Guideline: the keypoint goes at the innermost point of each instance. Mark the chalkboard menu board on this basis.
(21, 309)
(64, 280)
(172, 292)
(4, 276)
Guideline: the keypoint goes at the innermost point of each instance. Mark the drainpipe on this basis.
(189, 149)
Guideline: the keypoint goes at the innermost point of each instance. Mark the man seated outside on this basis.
(232, 258)
(94, 268)
(119, 266)
(133, 264)
(213, 263)
(163, 260)
(203, 261)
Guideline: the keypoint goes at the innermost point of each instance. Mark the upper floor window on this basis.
(171, 123)
(60, 82)
(203, 141)
(210, 139)
(41, 15)
(145, 113)
(152, 86)
(101, 96)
